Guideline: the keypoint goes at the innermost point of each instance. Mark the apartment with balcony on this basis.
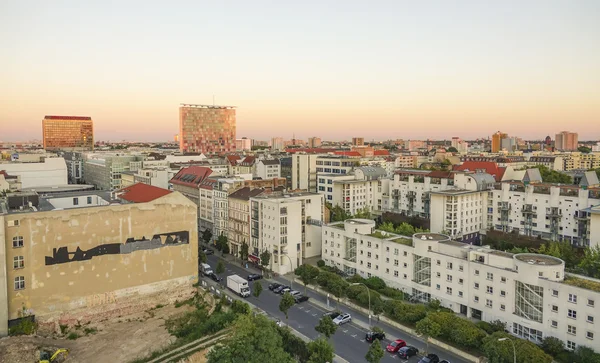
(238, 218)
(530, 292)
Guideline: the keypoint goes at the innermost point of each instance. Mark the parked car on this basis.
(373, 335)
(280, 289)
(430, 358)
(332, 314)
(294, 293)
(213, 276)
(284, 290)
(407, 352)
(208, 251)
(445, 361)
(395, 345)
(300, 298)
(253, 277)
(342, 319)
(273, 286)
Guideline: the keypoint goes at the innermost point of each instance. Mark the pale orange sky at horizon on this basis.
(391, 70)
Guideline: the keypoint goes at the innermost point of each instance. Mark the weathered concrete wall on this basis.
(73, 258)
(3, 283)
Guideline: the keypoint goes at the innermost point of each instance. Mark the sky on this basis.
(334, 69)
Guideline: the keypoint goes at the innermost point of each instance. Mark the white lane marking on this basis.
(300, 307)
(308, 311)
(362, 340)
(345, 331)
(353, 335)
(314, 314)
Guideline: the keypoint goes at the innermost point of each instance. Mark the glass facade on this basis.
(206, 129)
(529, 301)
(68, 132)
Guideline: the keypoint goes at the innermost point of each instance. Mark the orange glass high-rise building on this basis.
(497, 141)
(68, 132)
(206, 129)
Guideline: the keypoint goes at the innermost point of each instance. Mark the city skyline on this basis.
(417, 71)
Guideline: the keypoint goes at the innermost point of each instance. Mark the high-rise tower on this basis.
(206, 129)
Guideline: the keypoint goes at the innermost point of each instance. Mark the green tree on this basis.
(502, 352)
(584, 149)
(553, 176)
(553, 346)
(387, 227)
(244, 251)
(434, 304)
(562, 250)
(220, 267)
(320, 351)
(405, 229)
(364, 213)
(338, 214)
(307, 273)
(202, 257)
(452, 149)
(294, 345)
(326, 327)
(222, 243)
(586, 355)
(375, 283)
(206, 235)
(265, 257)
(428, 328)
(287, 301)
(254, 339)
(375, 352)
(257, 289)
(240, 307)
(590, 263)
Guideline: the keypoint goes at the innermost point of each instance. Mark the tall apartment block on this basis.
(497, 141)
(358, 141)
(68, 132)
(206, 129)
(566, 141)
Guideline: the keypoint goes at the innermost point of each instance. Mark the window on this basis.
(502, 307)
(589, 335)
(571, 345)
(476, 272)
(573, 298)
(18, 262)
(503, 280)
(19, 283)
(590, 319)
(368, 264)
(405, 276)
(460, 267)
(488, 303)
(438, 275)
(396, 251)
(460, 294)
(438, 262)
(449, 265)
(555, 293)
(369, 254)
(449, 290)
(502, 293)
(490, 276)
(572, 330)
(490, 290)
(554, 323)
(89, 200)
(395, 273)
(460, 281)
(476, 299)
(405, 264)
(554, 309)
(476, 286)
(387, 260)
(405, 253)
(449, 278)
(17, 241)
(572, 314)
(437, 286)
(590, 302)
(395, 262)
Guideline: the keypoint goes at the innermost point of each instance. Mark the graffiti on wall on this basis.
(101, 299)
(62, 254)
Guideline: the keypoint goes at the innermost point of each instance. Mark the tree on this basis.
(287, 301)
(254, 339)
(221, 243)
(452, 149)
(387, 227)
(562, 250)
(590, 263)
(502, 352)
(225, 250)
(338, 214)
(584, 149)
(244, 252)
(434, 304)
(220, 267)
(320, 351)
(202, 257)
(307, 273)
(586, 355)
(364, 213)
(375, 352)
(553, 346)
(553, 176)
(257, 289)
(265, 257)
(428, 328)
(326, 327)
(240, 307)
(206, 235)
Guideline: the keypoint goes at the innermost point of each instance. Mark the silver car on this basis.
(294, 293)
(342, 319)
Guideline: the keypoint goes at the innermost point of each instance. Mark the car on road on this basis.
(213, 276)
(294, 293)
(273, 286)
(395, 345)
(284, 290)
(374, 335)
(445, 361)
(208, 251)
(280, 288)
(333, 314)
(253, 277)
(430, 358)
(342, 319)
(407, 352)
(300, 298)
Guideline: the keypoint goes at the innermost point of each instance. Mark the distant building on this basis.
(243, 144)
(566, 141)
(548, 140)
(497, 141)
(48, 172)
(68, 132)
(358, 141)
(314, 142)
(104, 169)
(268, 169)
(194, 183)
(277, 143)
(206, 129)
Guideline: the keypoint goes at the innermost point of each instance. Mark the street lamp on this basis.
(514, 349)
(291, 268)
(369, 292)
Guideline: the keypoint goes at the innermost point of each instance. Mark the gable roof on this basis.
(141, 193)
(270, 161)
(233, 159)
(246, 193)
(191, 176)
(482, 166)
(247, 161)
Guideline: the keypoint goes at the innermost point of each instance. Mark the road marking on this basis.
(300, 307)
(314, 314)
(362, 340)
(308, 311)
(353, 335)
(345, 331)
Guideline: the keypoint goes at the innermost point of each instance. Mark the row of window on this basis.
(573, 298)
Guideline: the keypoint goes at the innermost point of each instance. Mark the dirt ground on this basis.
(199, 357)
(118, 340)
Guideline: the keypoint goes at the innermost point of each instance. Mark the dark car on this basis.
(430, 358)
(213, 276)
(445, 361)
(407, 352)
(253, 277)
(273, 286)
(208, 251)
(300, 298)
(280, 289)
(333, 314)
(373, 335)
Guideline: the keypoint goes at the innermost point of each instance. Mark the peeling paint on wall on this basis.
(101, 299)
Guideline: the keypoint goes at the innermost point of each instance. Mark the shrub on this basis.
(434, 304)
(403, 312)
(527, 351)
(375, 283)
(392, 293)
(26, 326)
(586, 355)
(72, 336)
(356, 278)
(553, 346)
(320, 263)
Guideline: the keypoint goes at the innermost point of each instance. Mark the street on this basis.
(349, 340)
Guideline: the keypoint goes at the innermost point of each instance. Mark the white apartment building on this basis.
(50, 171)
(530, 292)
(288, 225)
(268, 169)
(304, 172)
(353, 192)
(243, 144)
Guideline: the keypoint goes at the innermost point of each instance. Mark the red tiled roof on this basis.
(247, 161)
(381, 152)
(191, 176)
(208, 184)
(441, 174)
(348, 153)
(232, 159)
(141, 193)
(486, 166)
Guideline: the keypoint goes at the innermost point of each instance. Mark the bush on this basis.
(485, 326)
(527, 351)
(404, 313)
(72, 336)
(553, 346)
(26, 326)
(434, 304)
(392, 293)
(356, 278)
(375, 283)
(586, 355)
(320, 263)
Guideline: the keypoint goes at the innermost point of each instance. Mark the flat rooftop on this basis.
(204, 106)
(432, 236)
(455, 243)
(534, 259)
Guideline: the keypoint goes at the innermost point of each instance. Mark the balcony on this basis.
(419, 179)
(541, 189)
(527, 209)
(504, 206)
(426, 196)
(517, 188)
(582, 216)
(437, 181)
(554, 213)
(569, 192)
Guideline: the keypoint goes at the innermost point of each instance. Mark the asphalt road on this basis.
(349, 340)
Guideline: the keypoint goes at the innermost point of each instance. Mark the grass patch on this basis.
(63, 329)
(380, 235)
(88, 331)
(403, 241)
(583, 283)
(72, 336)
